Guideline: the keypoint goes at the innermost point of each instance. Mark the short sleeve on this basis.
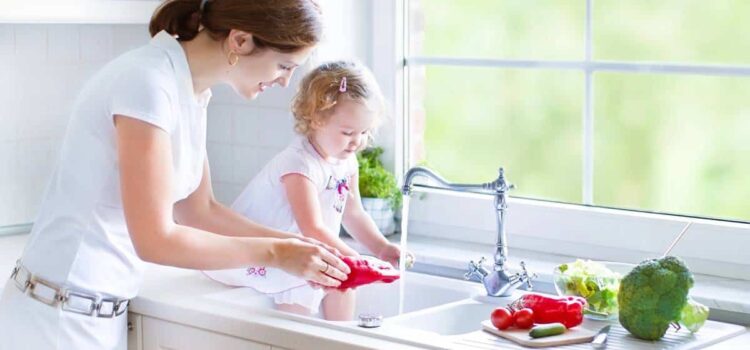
(297, 163)
(143, 94)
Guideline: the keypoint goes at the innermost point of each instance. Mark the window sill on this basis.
(582, 231)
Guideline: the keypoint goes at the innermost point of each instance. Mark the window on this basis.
(625, 104)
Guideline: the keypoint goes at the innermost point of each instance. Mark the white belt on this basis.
(72, 301)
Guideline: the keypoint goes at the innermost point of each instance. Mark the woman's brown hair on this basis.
(282, 25)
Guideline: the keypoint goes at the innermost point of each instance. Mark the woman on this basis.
(133, 182)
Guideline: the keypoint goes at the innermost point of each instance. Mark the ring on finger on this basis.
(325, 271)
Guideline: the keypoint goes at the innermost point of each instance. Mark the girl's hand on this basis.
(311, 261)
(392, 253)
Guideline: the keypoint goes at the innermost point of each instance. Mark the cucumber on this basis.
(546, 330)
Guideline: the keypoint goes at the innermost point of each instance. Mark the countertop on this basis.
(177, 295)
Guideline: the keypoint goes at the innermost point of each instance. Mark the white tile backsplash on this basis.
(35, 160)
(7, 40)
(263, 127)
(246, 163)
(220, 160)
(42, 69)
(8, 161)
(96, 43)
(64, 44)
(226, 192)
(31, 43)
(220, 123)
(126, 38)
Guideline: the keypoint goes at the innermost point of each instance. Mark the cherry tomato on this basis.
(502, 318)
(523, 318)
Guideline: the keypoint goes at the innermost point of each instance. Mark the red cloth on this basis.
(366, 270)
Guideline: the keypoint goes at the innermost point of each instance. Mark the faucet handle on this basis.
(526, 277)
(476, 269)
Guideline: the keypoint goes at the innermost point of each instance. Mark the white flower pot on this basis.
(381, 212)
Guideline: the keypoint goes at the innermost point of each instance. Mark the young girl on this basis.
(312, 186)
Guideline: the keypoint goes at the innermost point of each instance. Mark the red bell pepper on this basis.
(366, 270)
(567, 310)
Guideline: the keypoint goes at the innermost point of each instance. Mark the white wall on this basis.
(42, 68)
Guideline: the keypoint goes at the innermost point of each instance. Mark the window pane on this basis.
(465, 122)
(513, 29)
(695, 31)
(670, 143)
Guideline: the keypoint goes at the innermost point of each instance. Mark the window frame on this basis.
(566, 229)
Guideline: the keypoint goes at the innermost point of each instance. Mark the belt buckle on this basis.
(109, 314)
(69, 296)
(36, 282)
(121, 307)
(24, 274)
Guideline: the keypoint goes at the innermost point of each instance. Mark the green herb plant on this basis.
(375, 181)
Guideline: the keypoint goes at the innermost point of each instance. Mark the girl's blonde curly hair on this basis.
(321, 88)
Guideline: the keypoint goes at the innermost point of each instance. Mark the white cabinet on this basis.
(163, 335)
(77, 11)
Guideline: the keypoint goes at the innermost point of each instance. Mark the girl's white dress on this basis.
(264, 201)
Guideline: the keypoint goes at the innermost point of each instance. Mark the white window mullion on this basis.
(588, 114)
(594, 65)
(405, 88)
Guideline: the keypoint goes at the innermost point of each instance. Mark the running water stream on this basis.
(402, 261)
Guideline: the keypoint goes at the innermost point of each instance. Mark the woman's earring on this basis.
(232, 58)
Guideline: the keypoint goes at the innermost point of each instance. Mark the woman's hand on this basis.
(392, 253)
(322, 245)
(311, 260)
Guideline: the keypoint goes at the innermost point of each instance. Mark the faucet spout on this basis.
(498, 281)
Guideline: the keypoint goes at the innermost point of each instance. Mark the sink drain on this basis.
(370, 320)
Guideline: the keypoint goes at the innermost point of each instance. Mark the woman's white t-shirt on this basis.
(80, 239)
(264, 201)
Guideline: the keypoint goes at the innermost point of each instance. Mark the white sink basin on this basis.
(456, 318)
(421, 291)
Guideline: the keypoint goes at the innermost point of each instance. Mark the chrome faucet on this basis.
(498, 282)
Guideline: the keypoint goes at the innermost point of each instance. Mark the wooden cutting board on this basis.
(521, 336)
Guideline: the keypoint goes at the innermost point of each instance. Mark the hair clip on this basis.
(342, 85)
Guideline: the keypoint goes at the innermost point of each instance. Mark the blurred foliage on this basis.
(662, 142)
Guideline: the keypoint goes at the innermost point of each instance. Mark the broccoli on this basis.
(652, 296)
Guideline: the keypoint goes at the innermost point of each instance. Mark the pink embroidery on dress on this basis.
(342, 185)
(260, 271)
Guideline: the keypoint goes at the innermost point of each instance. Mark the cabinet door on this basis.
(135, 336)
(163, 335)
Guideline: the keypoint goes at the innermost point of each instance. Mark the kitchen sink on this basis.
(451, 319)
(421, 291)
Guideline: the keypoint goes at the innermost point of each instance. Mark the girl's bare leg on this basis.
(339, 306)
